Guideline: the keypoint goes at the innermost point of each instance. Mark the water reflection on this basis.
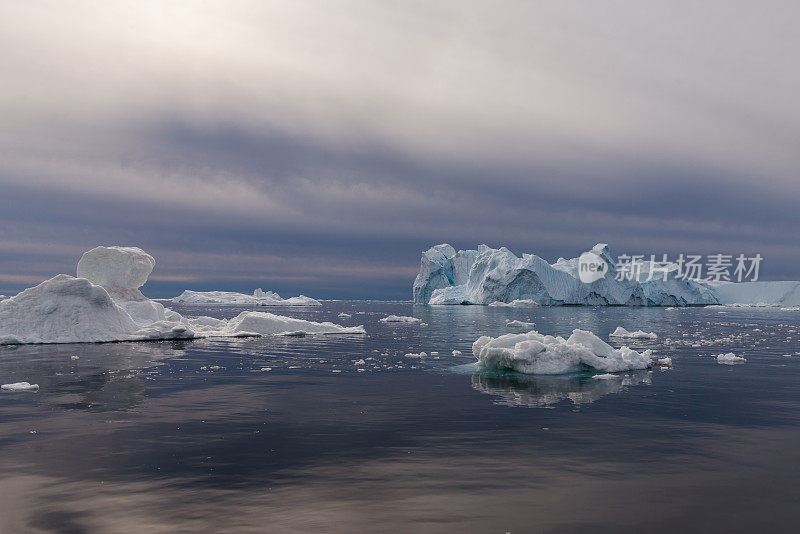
(531, 391)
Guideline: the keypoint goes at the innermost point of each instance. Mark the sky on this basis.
(319, 147)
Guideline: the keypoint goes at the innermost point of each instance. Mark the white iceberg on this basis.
(105, 304)
(400, 319)
(730, 359)
(20, 386)
(496, 276)
(535, 353)
(638, 334)
(761, 294)
(258, 298)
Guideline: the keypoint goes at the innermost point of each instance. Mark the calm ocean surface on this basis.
(345, 434)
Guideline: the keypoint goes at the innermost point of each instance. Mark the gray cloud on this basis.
(320, 147)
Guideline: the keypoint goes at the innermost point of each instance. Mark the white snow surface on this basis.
(258, 298)
(535, 353)
(400, 319)
(65, 309)
(638, 334)
(497, 276)
(20, 386)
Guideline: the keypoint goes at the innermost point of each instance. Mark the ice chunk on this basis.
(120, 270)
(535, 353)
(20, 386)
(605, 376)
(416, 355)
(270, 324)
(639, 334)
(730, 359)
(400, 319)
(520, 324)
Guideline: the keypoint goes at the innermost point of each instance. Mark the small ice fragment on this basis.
(20, 386)
(359, 362)
(344, 315)
(456, 353)
(414, 355)
(730, 359)
(666, 362)
(433, 353)
(400, 319)
(265, 369)
(520, 324)
(73, 357)
(639, 334)
(606, 376)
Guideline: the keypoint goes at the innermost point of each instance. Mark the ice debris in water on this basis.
(416, 355)
(535, 353)
(399, 319)
(520, 324)
(20, 386)
(104, 304)
(730, 359)
(606, 376)
(638, 334)
(456, 353)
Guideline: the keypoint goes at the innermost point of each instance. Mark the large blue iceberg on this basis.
(498, 276)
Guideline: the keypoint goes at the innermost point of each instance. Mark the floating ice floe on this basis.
(664, 362)
(344, 315)
(105, 304)
(20, 386)
(400, 319)
(730, 359)
(498, 277)
(416, 355)
(639, 334)
(520, 324)
(535, 353)
(606, 376)
(258, 298)
(456, 353)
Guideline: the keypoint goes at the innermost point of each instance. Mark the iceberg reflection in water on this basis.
(542, 391)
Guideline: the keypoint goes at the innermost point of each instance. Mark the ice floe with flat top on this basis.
(638, 334)
(20, 386)
(258, 298)
(520, 324)
(535, 353)
(400, 319)
(105, 304)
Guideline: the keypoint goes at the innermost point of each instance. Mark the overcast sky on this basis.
(319, 147)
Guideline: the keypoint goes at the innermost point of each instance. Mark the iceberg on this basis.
(757, 293)
(497, 277)
(258, 298)
(538, 354)
(104, 304)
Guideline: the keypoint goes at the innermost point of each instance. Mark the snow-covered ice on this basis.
(730, 359)
(20, 386)
(400, 319)
(535, 353)
(258, 298)
(65, 309)
(638, 334)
